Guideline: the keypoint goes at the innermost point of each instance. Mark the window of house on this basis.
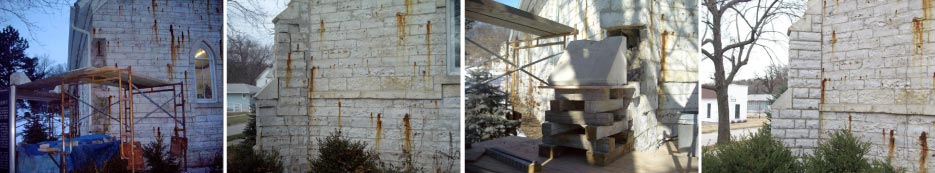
(709, 110)
(454, 36)
(737, 111)
(204, 76)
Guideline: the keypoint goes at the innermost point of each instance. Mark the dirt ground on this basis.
(710, 127)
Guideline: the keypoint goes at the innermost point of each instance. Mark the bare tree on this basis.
(490, 36)
(251, 12)
(733, 45)
(246, 59)
(20, 10)
(773, 79)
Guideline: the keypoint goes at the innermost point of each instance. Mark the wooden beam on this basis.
(582, 94)
(580, 141)
(549, 129)
(580, 118)
(492, 12)
(596, 132)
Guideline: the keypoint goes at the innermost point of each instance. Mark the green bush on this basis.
(843, 153)
(243, 158)
(482, 128)
(158, 158)
(759, 153)
(338, 155)
(114, 165)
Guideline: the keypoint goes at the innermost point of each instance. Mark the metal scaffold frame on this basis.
(123, 80)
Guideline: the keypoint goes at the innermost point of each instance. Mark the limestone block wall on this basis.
(867, 67)
(160, 39)
(376, 70)
(666, 49)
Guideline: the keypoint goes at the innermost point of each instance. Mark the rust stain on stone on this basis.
(339, 114)
(173, 46)
(156, 31)
(408, 4)
(169, 71)
(662, 66)
(923, 142)
(408, 140)
(120, 10)
(154, 6)
(379, 131)
(927, 9)
(428, 45)
(918, 29)
(321, 29)
(849, 119)
(288, 68)
(889, 155)
(401, 28)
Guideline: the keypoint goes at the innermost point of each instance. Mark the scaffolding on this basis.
(128, 85)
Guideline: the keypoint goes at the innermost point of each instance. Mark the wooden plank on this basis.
(513, 160)
(582, 94)
(620, 114)
(580, 118)
(597, 132)
(592, 106)
(549, 128)
(565, 105)
(629, 91)
(580, 141)
(598, 158)
(551, 151)
(492, 12)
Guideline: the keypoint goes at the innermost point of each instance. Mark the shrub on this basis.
(759, 153)
(338, 154)
(114, 165)
(157, 157)
(843, 153)
(243, 158)
(482, 128)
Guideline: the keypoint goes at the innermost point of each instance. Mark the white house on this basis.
(240, 97)
(737, 98)
(265, 78)
(758, 104)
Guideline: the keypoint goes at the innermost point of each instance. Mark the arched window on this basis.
(203, 62)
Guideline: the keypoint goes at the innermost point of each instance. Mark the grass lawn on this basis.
(237, 119)
(235, 137)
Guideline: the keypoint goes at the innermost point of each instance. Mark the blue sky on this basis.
(50, 37)
(513, 3)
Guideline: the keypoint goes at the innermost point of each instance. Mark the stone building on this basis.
(159, 39)
(662, 41)
(863, 66)
(383, 72)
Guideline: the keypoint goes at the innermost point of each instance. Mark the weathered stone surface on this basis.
(592, 63)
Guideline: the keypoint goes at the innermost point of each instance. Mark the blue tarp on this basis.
(97, 148)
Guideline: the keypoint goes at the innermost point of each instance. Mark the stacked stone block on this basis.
(590, 119)
(666, 52)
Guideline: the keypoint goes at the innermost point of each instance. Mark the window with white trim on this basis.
(204, 76)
